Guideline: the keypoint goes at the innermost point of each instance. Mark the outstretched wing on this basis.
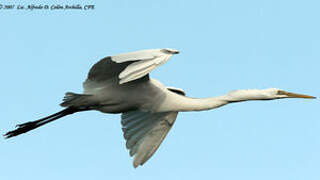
(128, 66)
(145, 131)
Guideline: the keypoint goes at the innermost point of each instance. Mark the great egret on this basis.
(121, 84)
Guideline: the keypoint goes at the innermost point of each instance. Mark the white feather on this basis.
(147, 61)
(137, 55)
(144, 132)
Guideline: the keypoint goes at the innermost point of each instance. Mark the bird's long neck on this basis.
(175, 102)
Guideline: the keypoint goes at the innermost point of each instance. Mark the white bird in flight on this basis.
(121, 84)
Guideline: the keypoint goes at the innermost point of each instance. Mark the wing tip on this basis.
(135, 165)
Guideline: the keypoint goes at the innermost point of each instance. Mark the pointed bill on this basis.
(295, 95)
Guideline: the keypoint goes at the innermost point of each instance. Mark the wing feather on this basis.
(145, 131)
(137, 74)
(137, 55)
(136, 67)
(124, 68)
(145, 136)
(153, 139)
(145, 61)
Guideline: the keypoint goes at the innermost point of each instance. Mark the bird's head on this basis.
(170, 51)
(275, 93)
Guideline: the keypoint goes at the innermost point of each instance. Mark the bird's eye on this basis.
(280, 92)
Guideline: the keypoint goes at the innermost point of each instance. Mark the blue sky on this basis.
(224, 45)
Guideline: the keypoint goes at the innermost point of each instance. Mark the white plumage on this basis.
(144, 132)
(146, 61)
(121, 84)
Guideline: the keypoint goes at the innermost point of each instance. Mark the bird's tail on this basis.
(28, 126)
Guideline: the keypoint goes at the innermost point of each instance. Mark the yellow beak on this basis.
(295, 95)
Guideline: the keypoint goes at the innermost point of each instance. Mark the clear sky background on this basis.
(224, 45)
